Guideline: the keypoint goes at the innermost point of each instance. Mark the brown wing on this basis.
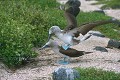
(72, 7)
(71, 20)
(83, 29)
(71, 52)
(71, 11)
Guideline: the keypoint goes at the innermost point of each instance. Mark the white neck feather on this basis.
(56, 50)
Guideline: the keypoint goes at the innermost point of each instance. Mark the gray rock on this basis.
(118, 61)
(113, 43)
(65, 74)
(99, 48)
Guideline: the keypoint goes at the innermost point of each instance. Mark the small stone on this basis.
(118, 61)
(65, 74)
(99, 48)
(113, 43)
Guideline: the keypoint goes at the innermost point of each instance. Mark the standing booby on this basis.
(70, 52)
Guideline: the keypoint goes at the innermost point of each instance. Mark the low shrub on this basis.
(23, 25)
(15, 42)
(97, 74)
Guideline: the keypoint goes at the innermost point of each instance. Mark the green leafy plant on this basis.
(15, 42)
(114, 4)
(24, 24)
(97, 74)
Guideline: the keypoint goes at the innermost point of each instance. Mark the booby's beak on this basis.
(49, 36)
(45, 46)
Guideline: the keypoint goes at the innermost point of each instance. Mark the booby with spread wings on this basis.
(72, 31)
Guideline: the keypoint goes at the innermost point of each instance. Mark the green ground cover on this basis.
(97, 74)
(114, 4)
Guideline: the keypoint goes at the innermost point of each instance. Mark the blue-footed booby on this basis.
(70, 52)
(72, 31)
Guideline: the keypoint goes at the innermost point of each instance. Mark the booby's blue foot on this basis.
(63, 62)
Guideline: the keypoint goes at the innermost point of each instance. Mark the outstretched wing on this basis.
(71, 21)
(71, 10)
(83, 29)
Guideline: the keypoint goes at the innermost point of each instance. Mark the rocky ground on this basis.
(46, 61)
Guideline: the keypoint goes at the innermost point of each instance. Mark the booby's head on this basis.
(53, 30)
(51, 43)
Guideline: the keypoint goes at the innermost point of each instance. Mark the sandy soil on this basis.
(46, 61)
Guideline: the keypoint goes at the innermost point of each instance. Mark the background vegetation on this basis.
(24, 24)
(93, 74)
(114, 4)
